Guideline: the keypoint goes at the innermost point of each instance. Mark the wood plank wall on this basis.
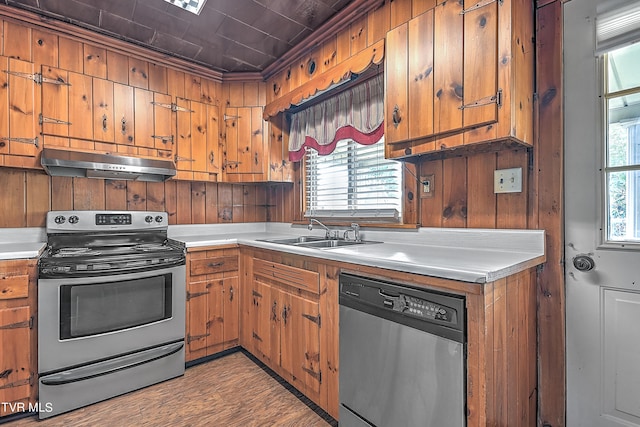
(26, 196)
(463, 186)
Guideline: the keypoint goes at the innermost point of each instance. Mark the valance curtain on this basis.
(356, 113)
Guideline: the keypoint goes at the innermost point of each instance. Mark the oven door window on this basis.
(98, 308)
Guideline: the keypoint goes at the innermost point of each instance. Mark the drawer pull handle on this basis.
(215, 264)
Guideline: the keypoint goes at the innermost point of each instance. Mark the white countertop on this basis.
(22, 243)
(469, 255)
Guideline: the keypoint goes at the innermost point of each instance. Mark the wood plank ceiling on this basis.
(227, 36)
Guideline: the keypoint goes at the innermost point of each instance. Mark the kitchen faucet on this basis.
(327, 231)
(356, 232)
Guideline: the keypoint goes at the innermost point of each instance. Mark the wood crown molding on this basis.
(339, 22)
(84, 35)
(373, 55)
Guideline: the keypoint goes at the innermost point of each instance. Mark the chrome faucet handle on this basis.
(356, 231)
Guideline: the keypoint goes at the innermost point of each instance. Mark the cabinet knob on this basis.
(211, 157)
(395, 117)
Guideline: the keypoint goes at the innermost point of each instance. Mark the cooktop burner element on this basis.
(87, 242)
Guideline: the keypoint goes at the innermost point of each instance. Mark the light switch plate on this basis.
(507, 180)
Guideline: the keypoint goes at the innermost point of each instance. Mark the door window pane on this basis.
(623, 144)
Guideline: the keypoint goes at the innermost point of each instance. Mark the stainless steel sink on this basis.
(317, 242)
(296, 240)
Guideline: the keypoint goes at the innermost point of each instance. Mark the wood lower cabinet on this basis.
(290, 320)
(282, 321)
(460, 73)
(18, 352)
(212, 301)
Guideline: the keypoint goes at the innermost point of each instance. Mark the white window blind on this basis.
(617, 25)
(354, 181)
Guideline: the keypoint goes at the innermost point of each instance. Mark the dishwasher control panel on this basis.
(412, 305)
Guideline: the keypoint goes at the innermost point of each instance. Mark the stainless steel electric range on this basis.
(111, 307)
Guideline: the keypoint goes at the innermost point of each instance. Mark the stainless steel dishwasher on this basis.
(402, 355)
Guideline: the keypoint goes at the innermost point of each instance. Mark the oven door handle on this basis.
(113, 365)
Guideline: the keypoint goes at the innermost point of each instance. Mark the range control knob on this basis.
(159, 218)
(59, 219)
(73, 219)
(148, 219)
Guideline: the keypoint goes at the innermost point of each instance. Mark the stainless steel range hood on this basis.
(61, 162)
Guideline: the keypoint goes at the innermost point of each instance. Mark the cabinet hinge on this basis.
(42, 119)
(314, 374)
(195, 337)
(226, 117)
(37, 77)
(191, 295)
(256, 336)
(487, 100)
(173, 107)
(314, 319)
(480, 5)
(163, 138)
(183, 159)
(18, 325)
(255, 293)
(33, 141)
(26, 381)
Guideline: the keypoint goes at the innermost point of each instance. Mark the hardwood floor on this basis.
(230, 391)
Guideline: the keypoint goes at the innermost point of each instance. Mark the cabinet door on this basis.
(214, 152)
(261, 318)
(123, 114)
(480, 64)
(216, 315)
(230, 148)
(55, 102)
(17, 108)
(183, 156)
(303, 332)
(198, 318)
(448, 62)
(396, 69)
(15, 354)
(231, 296)
(198, 136)
(103, 118)
(143, 113)
(80, 106)
(420, 76)
(258, 138)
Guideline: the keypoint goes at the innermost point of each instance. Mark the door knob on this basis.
(583, 263)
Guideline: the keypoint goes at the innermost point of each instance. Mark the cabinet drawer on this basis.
(14, 286)
(287, 275)
(213, 265)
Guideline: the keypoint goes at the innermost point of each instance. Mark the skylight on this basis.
(193, 6)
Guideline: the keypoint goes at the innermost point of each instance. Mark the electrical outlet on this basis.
(426, 186)
(507, 180)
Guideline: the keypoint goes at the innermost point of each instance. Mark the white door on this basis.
(602, 222)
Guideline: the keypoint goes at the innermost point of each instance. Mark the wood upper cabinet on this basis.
(18, 358)
(457, 74)
(244, 152)
(124, 119)
(196, 150)
(19, 144)
(212, 302)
